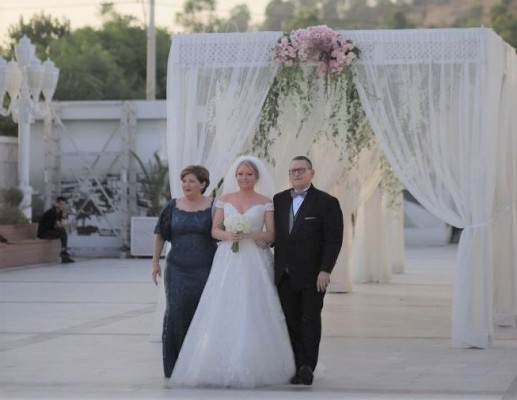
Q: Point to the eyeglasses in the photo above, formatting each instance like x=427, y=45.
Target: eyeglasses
x=297, y=171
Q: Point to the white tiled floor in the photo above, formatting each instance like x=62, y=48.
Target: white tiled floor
x=81, y=331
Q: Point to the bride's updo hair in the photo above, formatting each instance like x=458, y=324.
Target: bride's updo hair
x=250, y=164
x=265, y=185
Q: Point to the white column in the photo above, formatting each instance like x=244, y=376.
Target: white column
x=24, y=145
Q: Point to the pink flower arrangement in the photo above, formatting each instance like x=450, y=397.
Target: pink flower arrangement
x=317, y=45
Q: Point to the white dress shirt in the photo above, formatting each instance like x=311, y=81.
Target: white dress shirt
x=297, y=201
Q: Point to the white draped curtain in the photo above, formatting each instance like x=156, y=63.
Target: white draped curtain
x=505, y=223
x=352, y=183
x=433, y=101
x=393, y=211
x=215, y=89
x=433, y=98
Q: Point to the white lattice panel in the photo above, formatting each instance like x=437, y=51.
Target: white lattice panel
x=399, y=46
x=223, y=49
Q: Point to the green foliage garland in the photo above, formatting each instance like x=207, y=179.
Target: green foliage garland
x=306, y=63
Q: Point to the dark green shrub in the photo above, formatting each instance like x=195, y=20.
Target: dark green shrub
x=13, y=197
x=10, y=214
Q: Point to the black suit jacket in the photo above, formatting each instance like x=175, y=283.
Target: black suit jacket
x=315, y=240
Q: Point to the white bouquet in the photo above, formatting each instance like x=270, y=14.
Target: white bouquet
x=237, y=223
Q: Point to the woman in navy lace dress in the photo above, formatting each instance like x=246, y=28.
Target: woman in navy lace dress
x=186, y=222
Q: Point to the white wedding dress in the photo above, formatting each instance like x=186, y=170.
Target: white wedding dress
x=238, y=336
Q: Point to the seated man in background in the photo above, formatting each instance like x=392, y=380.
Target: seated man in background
x=50, y=226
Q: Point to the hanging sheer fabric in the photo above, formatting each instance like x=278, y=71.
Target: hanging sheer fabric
x=393, y=211
x=370, y=264
x=433, y=100
x=216, y=85
x=505, y=225
x=294, y=137
x=310, y=134
x=361, y=183
x=363, y=200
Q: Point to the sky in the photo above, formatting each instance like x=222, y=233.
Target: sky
x=84, y=12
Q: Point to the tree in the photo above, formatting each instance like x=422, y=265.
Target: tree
x=104, y=64
x=126, y=42
x=504, y=22
x=304, y=18
x=337, y=14
x=92, y=74
x=307, y=4
x=333, y=12
x=279, y=13
x=199, y=16
x=398, y=20
x=473, y=18
x=41, y=29
x=163, y=46
x=239, y=20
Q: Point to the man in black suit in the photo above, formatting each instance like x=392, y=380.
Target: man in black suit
x=308, y=237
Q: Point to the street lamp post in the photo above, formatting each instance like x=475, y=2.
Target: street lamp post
x=24, y=79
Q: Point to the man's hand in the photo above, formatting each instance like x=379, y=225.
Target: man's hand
x=323, y=281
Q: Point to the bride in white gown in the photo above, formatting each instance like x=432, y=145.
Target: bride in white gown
x=238, y=336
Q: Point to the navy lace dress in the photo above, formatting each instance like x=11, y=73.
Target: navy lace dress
x=186, y=272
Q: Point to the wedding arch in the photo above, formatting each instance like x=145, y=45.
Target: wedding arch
x=439, y=102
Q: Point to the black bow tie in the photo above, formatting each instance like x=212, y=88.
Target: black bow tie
x=296, y=194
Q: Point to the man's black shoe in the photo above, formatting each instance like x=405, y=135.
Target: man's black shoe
x=295, y=380
x=167, y=368
x=66, y=260
x=305, y=374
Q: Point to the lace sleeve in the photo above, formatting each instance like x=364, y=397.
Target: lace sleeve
x=219, y=203
x=269, y=207
x=164, y=224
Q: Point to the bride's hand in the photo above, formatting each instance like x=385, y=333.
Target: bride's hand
x=236, y=236
x=261, y=243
